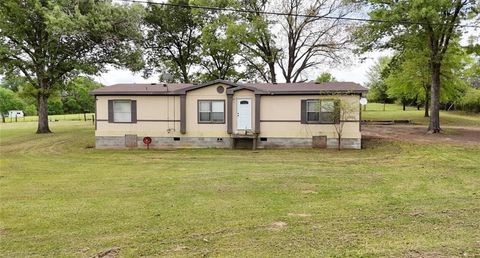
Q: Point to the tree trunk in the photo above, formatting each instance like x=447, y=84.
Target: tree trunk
x=185, y=75
x=403, y=102
x=273, y=76
x=3, y=117
x=434, y=126
x=427, y=105
x=42, y=101
x=339, y=142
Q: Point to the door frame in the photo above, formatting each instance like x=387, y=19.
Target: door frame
x=250, y=102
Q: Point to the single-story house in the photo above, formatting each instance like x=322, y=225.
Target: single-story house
x=223, y=114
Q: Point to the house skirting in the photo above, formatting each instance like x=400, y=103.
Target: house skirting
x=280, y=142
x=134, y=141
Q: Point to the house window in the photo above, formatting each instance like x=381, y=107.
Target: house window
x=122, y=111
x=211, y=111
x=320, y=111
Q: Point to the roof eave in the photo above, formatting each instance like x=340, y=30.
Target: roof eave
x=320, y=92
x=133, y=93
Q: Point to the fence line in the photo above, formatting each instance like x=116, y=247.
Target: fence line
x=52, y=118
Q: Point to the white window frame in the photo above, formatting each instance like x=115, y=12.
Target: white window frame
x=210, y=111
x=116, y=118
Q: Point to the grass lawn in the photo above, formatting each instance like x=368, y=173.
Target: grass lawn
x=59, y=197
x=394, y=111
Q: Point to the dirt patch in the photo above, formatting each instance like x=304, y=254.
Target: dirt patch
x=302, y=215
x=309, y=192
x=416, y=213
x=110, y=253
x=419, y=254
x=179, y=248
x=418, y=134
x=277, y=226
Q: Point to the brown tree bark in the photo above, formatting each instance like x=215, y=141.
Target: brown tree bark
x=273, y=76
x=434, y=126
x=427, y=106
x=42, y=103
x=427, y=89
x=339, y=146
x=185, y=76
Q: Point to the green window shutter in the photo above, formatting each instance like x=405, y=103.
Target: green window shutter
x=337, y=111
x=303, y=110
x=110, y=111
x=133, y=109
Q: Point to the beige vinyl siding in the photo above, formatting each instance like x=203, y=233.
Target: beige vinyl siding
x=148, y=108
x=194, y=129
x=275, y=108
x=288, y=108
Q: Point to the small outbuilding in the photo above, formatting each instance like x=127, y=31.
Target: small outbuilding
x=15, y=113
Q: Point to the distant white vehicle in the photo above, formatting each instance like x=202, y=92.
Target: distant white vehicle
x=15, y=113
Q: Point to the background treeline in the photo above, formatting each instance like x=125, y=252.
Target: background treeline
x=405, y=78
x=17, y=94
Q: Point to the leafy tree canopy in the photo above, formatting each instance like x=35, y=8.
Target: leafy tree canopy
x=435, y=22
x=325, y=77
x=9, y=101
x=50, y=40
x=172, y=40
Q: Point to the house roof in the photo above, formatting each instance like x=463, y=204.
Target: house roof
x=258, y=88
x=141, y=89
x=308, y=87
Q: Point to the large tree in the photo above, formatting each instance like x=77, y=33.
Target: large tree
x=220, y=41
x=409, y=79
x=50, y=40
x=435, y=21
x=410, y=75
x=260, y=52
x=311, y=36
x=378, y=87
x=172, y=40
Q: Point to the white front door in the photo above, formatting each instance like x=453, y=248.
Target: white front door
x=244, y=114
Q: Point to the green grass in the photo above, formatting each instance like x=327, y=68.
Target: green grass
x=59, y=197
x=53, y=118
x=394, y=112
